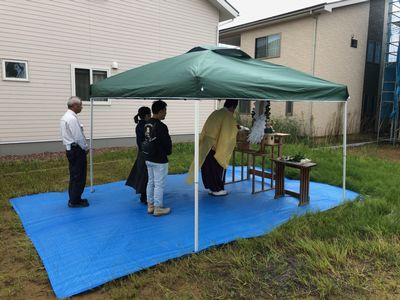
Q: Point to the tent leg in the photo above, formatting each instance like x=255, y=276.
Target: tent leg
x=91, y=146
x=344, y=148
x=196, y=176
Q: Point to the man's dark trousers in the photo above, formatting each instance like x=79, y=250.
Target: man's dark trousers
x=212, y=173
x=77, y=173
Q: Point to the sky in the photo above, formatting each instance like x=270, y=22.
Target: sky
x=251, y=10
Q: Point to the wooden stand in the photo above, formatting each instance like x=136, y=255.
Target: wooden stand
x=272, y=141
x=304, y=168
x=243, y=147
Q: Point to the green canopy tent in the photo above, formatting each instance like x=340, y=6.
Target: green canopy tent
x=217, y=73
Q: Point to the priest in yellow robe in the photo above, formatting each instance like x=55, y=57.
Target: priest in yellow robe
x=216, y=144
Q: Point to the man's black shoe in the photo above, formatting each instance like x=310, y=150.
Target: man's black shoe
x=81, y=203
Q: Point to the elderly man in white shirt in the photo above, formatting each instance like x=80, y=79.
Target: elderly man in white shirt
x=76, y=149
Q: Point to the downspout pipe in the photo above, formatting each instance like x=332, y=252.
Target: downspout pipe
x=314, y=50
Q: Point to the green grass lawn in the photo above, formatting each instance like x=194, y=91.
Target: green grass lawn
x=350, y=252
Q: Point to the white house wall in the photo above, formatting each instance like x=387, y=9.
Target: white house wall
x=296, y=49
x=338, y=62
x=335, y=60
x=53, y=35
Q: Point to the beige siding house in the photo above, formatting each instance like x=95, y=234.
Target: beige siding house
x=63, y=46
x=328, y=41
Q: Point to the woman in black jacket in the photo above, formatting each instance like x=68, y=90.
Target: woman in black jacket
x=138, y=176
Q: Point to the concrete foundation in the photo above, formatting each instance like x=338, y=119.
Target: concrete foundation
x=57, y=146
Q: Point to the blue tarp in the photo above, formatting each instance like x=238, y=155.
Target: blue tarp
x=82, y=248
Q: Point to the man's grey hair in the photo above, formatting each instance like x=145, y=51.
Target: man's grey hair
x=73, y=100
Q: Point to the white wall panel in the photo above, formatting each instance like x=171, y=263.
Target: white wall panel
x=53, y=35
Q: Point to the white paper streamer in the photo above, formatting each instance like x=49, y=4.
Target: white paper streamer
x=257, y=131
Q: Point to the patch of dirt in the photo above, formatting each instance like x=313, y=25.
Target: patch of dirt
x=52, y=155
x=36, y=156
x=389, y=152
x=386, y=152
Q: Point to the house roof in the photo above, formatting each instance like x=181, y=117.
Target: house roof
x=226, y=10
x=319, y=8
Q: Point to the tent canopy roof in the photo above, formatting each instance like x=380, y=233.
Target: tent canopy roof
x=218, y=73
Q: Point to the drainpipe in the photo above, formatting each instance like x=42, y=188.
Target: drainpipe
x=314, y=42
x=216, y=44
x=313, y=66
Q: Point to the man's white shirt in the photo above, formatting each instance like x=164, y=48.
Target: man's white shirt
x=72, y=131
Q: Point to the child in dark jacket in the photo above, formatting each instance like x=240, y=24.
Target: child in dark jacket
x=157, y=161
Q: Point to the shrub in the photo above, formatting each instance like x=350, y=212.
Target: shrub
x=294, y=127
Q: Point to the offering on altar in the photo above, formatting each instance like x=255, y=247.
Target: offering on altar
x=268, y=126
x=241, y=139
x=269, y=139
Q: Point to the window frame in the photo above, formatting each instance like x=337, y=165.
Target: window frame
x=289, y=112
x=240, y=105
x=15, y=61
x=91, y=69
x=374, y=54
x=377, y=53
x=266, y=37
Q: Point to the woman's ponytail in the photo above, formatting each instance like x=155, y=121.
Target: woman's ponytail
x=142, y=112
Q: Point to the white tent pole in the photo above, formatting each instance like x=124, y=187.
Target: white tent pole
x=196, y=176
x=344, y=147
x=91, y=146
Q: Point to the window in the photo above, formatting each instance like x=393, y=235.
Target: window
x=370, y=51
x=374, y=52
x=16, y=70
x=268, y=46
x=377, y=56
x=83, y=77
x=353, y=43
x=244, y=106
x=289, y=108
